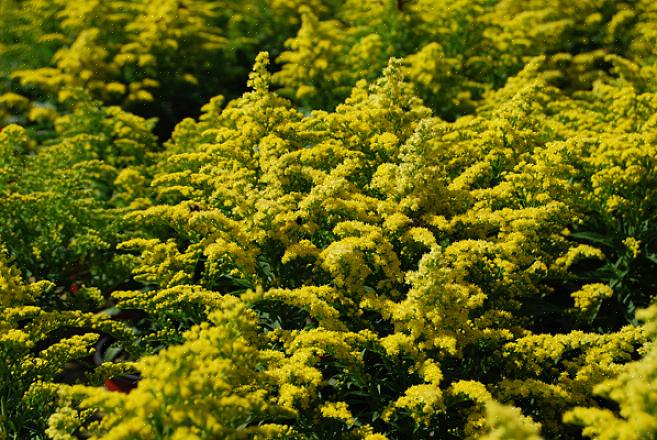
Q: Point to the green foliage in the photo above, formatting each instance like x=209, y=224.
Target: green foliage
x=61, y=210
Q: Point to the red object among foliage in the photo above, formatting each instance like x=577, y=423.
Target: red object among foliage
x=75, y=286
x=110, y=385
x=119, y=384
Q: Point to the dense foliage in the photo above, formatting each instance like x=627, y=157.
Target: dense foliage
x=418, y=219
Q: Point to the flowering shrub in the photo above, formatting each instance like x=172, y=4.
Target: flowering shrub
x=633, y=389
x=63, y=201
x=425, y=220
x=41, y=344
x=159, y=59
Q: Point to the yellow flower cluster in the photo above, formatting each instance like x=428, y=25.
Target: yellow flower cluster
x=131, y=53
x=217, y=371
x=633, y=389
x=379, y=232
x=453, y=243
x=508, y=423
x=37, y=346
